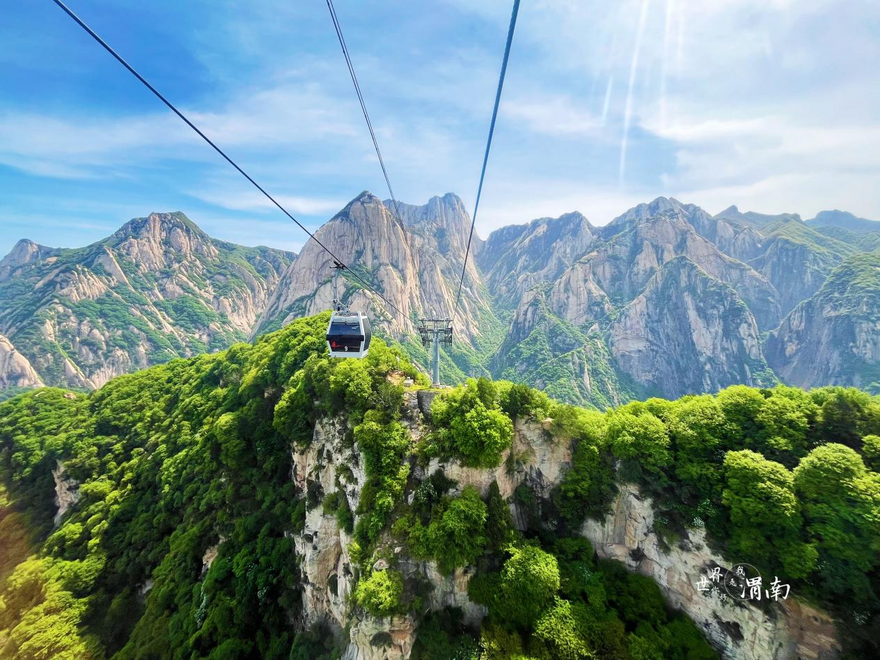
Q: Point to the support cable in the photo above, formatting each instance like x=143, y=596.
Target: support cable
x=488, y=147
x=171, y=106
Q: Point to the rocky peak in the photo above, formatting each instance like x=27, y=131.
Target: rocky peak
x=159, y=227
x=444, y=220
x=643, y=212
x=415, y=264
x=538, y=252
x=756, y=220
x=23, y=253
x=152, y=241
x=844, y=220
x=364, y=233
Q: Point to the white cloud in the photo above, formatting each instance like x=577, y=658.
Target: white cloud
x=86, y=146
x=551, y=115
x=256, y=201
x=769, y=104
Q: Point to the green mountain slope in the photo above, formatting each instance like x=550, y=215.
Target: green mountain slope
x=269, y=502
x=844, y=220
x=158, y=288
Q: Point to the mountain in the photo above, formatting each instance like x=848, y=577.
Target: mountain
x=666, y=299
x=156, y=289
x=598, y=332
x=413, y=258
x=687, y=332
x=556, y=356
x=271, y=502
x=756, y=220
x=844, y=220
x=834, y=337
x=15, y=370
x=515, y=259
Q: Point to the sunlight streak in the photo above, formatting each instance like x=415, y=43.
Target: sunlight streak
x=607, y=101
x=679, y=46
x=627, y=116
x=667, y=28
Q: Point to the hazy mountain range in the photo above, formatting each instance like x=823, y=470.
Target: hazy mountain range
x=666, y=299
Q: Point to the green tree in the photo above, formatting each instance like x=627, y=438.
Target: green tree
x=470, y=425
x=871, y=451
x=529, y=582
x=841, y=502
x=499, y=523
x=380, y=593
x=765, y=513
x=559, y=631
x=457, y=535
x=642, y=441
x=699, y=430
x=785, y=422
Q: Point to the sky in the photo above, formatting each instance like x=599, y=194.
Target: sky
x=772, y=105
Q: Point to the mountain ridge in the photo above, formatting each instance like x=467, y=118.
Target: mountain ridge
x=157, y=288
x=545, y=284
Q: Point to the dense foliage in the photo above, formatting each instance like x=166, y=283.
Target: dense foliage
x=175, y=464
x=779, y=478
x=182, y=541
x=559, y=603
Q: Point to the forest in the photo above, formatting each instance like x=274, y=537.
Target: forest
x=197, y=454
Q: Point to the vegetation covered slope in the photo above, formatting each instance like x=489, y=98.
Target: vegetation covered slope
x=192, y=460
x=834, y=337
x=157, y=289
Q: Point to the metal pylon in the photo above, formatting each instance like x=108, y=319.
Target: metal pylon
x=433, y=333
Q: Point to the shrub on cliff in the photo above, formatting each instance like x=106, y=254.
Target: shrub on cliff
x=380, y=593
x=470, y=426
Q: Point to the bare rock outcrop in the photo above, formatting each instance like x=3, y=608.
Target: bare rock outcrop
x=15, y=370
x=688, y=333
x=66, y=491
x=834, y=337
x=788, y=630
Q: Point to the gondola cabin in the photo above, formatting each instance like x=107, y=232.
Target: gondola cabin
x=348, y=335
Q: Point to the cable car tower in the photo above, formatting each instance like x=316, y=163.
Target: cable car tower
x=434, y=332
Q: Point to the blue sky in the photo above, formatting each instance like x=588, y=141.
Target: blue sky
x=773, y=105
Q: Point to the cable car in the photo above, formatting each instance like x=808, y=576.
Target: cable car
x=348, y=335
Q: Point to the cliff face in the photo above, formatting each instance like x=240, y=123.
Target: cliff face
x=834, y=337
x=737, y=630
x=688, y=333
x=795, y=631
x=783, y=257
x=156, y=289
x=515, y=259
x=15, y=370
x=413, y=260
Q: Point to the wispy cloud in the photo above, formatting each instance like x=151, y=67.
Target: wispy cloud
x=552, y=115
x=256, y=201
x=770, y=104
